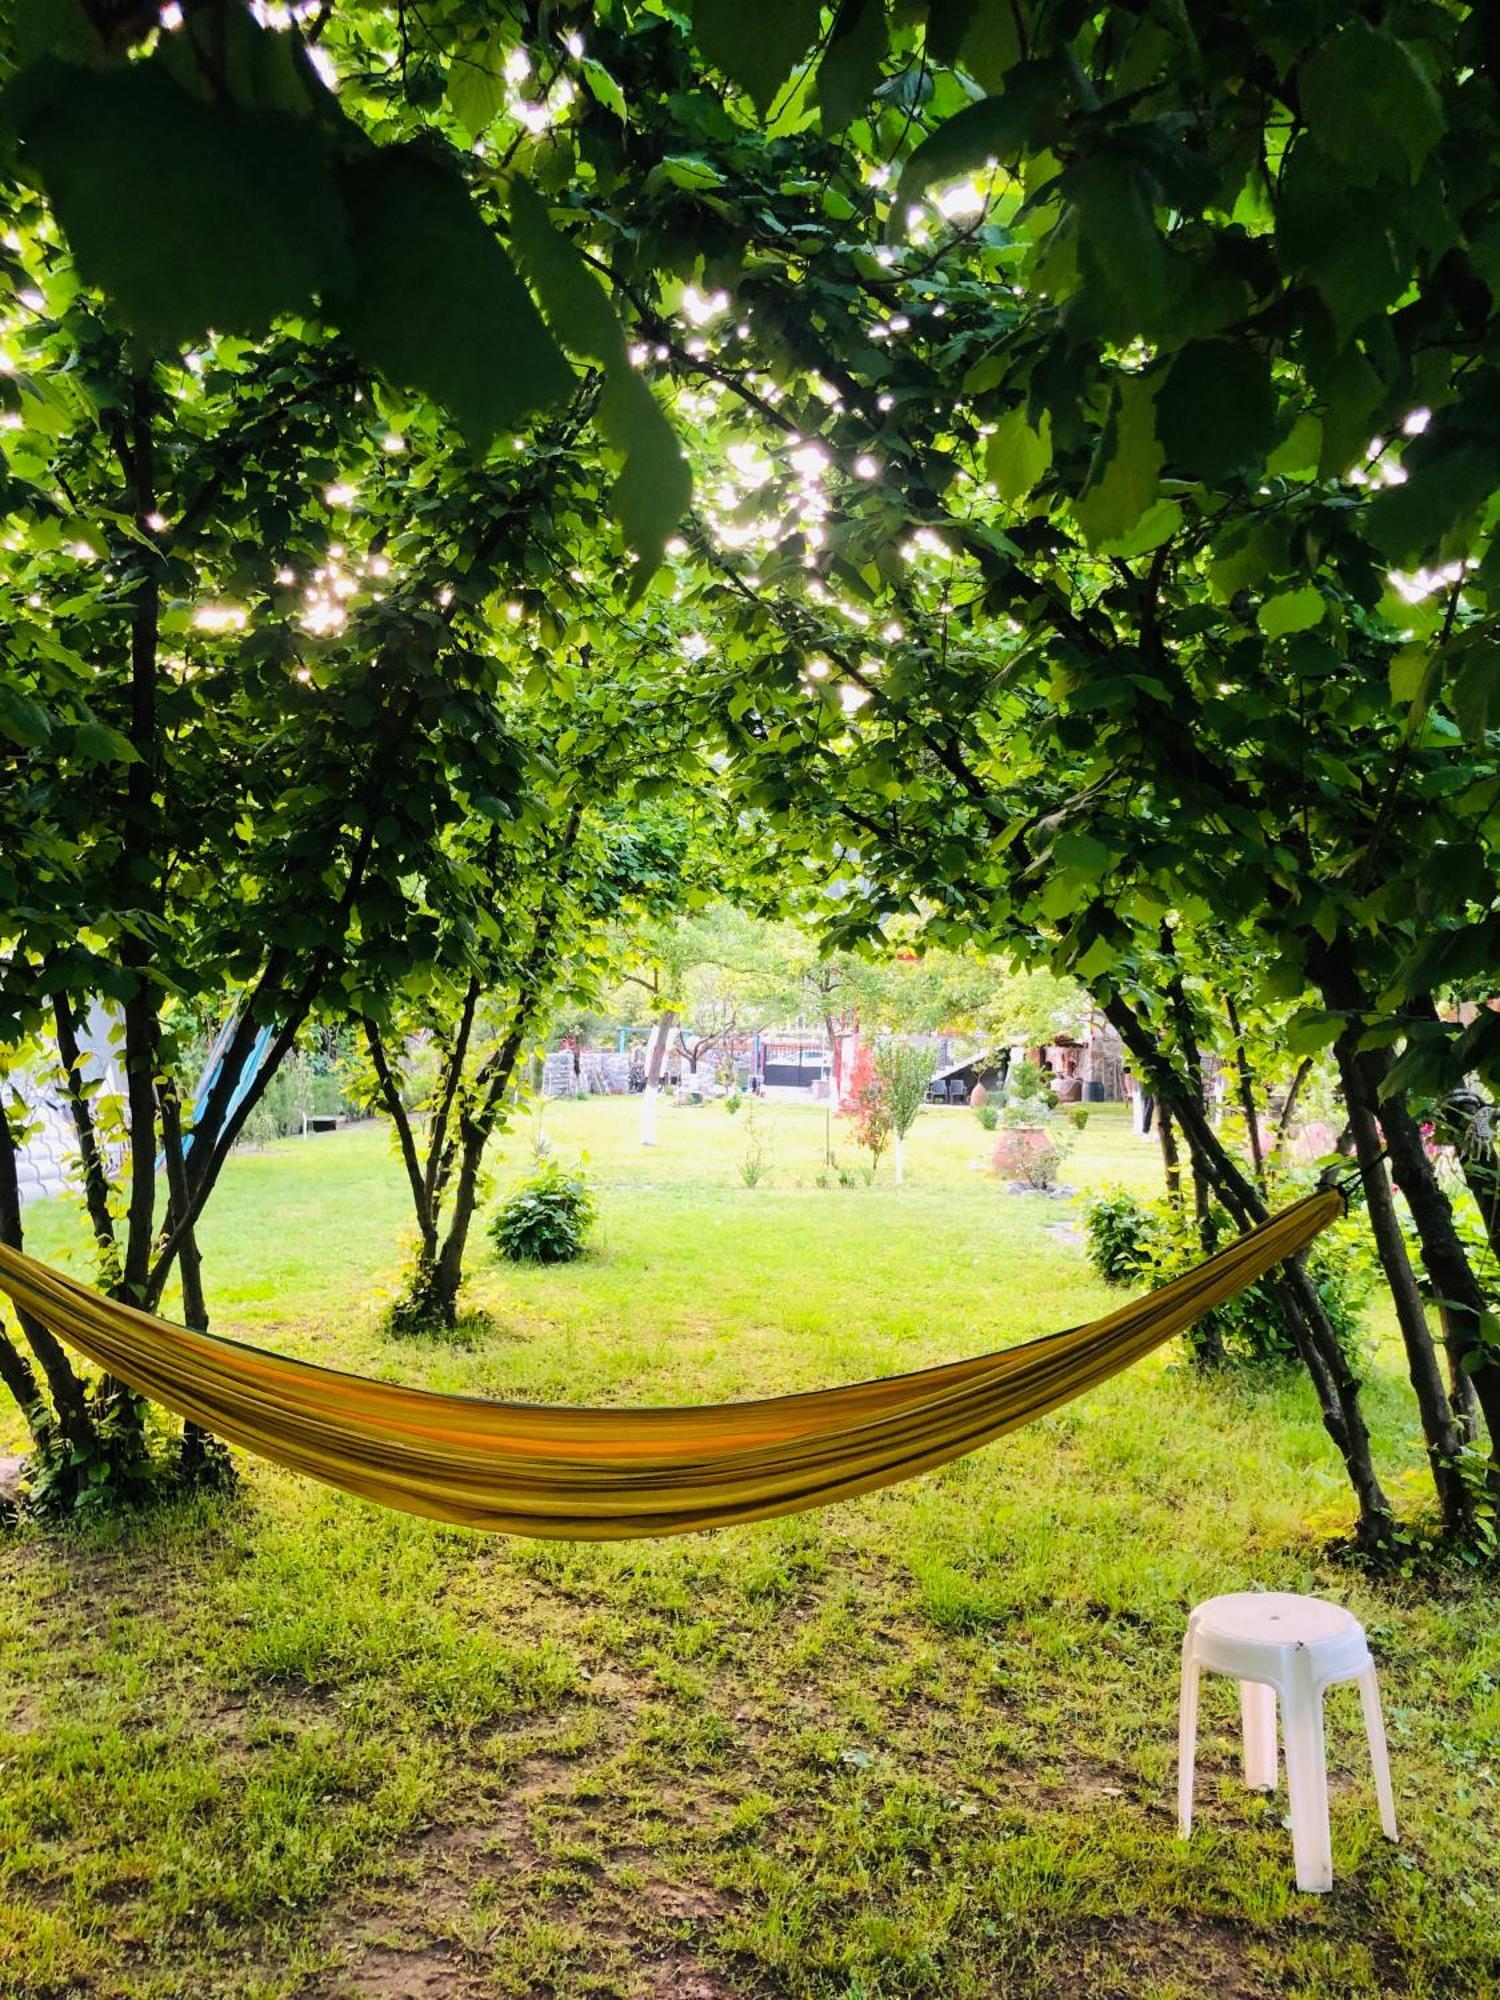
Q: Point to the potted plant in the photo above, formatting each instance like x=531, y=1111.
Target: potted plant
x=1027, y=1152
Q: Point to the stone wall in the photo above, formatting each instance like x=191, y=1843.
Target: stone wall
x=600, y=1073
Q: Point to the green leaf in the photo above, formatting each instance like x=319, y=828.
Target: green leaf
x=436, y=304
x=991, y=45
x=1368, y=101
x=1292, y=611
x=1301, y=450
x=1157, y=525
x=54, y=27
x=995, y=128
x=1082, y=855
x=1408, y=672
x=602, y=87
x=23, y=720
x=1339, y=237
x=476, y=86
x=948, y=21
x=100, y=744
x=1120, y=251
x=1215, y=414
x=653, y=492
x=572, y=297
x=1474, y=692
x=1123, y=478
x=1311, y=1030
x=1438, y=500
x=849, y=72
x=1097, y=960
x=1352, y=393
x=1017, y=455
x=756, y=46
x=190, y=215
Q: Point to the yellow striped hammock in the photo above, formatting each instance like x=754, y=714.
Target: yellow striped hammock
x=610, y=1474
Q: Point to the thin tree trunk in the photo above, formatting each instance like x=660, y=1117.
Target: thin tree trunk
x=1443, y=1252
x=656, y=1055
x=139, y=872
x=416, y=1175
x=1245, y=1086
x=475, y=1132
x=1294, y=1091
x=1439, y=1424
x=19, y=1377
x=91, y=1160
x=1170, y=1162
x=1317, y=1344
x=201, y=1458
x=1208, y=1340
x=439, y=1150
x=69, y=1398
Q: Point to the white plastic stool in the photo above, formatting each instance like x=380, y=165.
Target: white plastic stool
x=1276, y=1644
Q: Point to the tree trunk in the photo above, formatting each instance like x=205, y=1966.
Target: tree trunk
x=1443, y=1252
x=898, y=1154
x=440, y=1295
x=1245, y=1087
x=202, y=1459
x=69, y=1400
x=1170, y=1163
x=1440, y=1428
x=1317, y=1344
x=90, y=1159
x=1294, y=1091
x=656, y=1055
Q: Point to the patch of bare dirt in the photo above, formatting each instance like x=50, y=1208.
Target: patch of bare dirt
x=1116, y=1960
x=683, y=1979
x=388, y=1972
x=20, y=1715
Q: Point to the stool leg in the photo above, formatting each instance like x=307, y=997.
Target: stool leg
x=1187, y=1736
x=1369, y=1701
x=1307, y=1780
x=1258, y=1716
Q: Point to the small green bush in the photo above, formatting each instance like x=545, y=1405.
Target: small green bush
x=1121, y=1231
x=546, y=1218
x=988, y=1116
x=1148, y=1243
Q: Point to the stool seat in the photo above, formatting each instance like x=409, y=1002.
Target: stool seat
x=1287, y=1650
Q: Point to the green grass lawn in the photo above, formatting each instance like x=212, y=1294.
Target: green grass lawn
x=919, y=1744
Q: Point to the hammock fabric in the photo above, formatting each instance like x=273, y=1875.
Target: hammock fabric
x=607, y=1474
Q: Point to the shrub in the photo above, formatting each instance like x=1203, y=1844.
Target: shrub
x=1121, y=1232
x=546, y=1218
x=987, y=1115
x=1148, y=1243
x=867, y=1106
x=1078, y=1116
x=1029, y=1096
